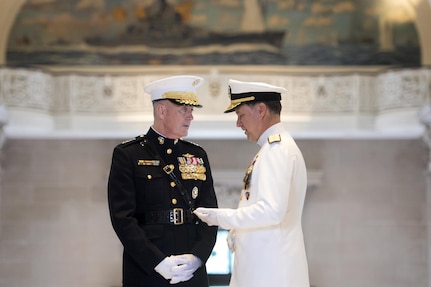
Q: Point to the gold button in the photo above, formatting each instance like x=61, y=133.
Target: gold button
x=149, y=176
x=174, y=201
x=173, y=184
x=169, y=151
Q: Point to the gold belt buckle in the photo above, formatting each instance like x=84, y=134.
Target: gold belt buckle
x=178, y=216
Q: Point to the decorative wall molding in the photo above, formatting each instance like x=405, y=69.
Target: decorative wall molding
x=94, y=102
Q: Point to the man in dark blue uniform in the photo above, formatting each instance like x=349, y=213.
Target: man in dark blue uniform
x=155, y=182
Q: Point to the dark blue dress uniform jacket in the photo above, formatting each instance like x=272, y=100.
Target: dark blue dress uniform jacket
x=138, y=187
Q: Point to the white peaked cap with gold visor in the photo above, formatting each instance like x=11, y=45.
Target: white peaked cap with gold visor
x=179, y=89
x=241, y=92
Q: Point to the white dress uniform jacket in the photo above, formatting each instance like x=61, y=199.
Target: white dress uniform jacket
x=269, y=245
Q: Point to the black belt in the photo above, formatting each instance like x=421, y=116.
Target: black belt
x=176, y=216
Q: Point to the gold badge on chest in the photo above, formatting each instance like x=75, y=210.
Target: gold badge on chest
x=191, y=167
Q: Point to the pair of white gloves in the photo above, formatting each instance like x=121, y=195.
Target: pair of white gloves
x=178, y=268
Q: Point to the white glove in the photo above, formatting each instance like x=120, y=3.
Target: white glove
x=164, y=268
x=231, y=240
x=187, y=264
x=180, y=278
x=208, y=215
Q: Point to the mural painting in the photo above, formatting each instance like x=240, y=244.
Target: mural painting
x=214, y=32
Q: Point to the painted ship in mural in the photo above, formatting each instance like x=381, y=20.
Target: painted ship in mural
x=165, y=27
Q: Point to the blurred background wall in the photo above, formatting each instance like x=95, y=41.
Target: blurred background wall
x=363, y=129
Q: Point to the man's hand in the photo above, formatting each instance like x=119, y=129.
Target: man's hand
x=231, y=240
x=187, y=264
x=164, y=268
x=180, y=278
x=207, y=215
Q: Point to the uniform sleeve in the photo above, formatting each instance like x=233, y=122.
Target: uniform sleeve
x=122, y=207
x=207, y=234
x=273, y=174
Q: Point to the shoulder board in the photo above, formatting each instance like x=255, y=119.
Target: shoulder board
x=274, y=138
x=132, y=140
x=189, y=142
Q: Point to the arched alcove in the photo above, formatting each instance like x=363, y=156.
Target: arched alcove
x=9, y=10
x=421, y=8
x=53, y=183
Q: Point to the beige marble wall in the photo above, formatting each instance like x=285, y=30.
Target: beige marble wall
x=364, y=223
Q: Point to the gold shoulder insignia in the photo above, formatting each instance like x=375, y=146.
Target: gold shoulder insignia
x=132, y=139
x=127, y=141
x=189, y=142
x=274, y=138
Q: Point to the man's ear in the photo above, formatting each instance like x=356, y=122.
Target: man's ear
x=261, y=109
x=161, y=110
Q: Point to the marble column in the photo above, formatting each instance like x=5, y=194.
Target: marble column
x=4, y=116
x=425, y=118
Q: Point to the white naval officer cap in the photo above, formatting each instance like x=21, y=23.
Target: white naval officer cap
x=241, y=92
x=179, y=89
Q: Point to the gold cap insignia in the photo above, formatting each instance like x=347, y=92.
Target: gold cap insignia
x=179, y=89
x=241, y=92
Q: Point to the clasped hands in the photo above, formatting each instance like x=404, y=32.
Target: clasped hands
x=178, y=268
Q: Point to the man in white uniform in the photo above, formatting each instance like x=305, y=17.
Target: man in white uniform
x=265, y=230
